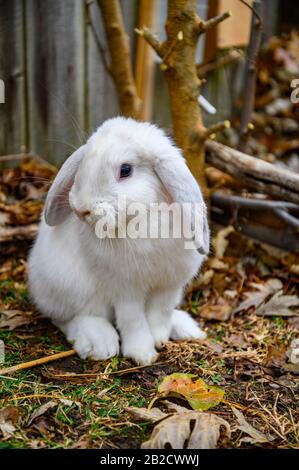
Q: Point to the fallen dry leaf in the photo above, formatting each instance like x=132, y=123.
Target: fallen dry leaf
x=14, y=318
x=8, y=420
x=66, y=402
x=36, y=444
x=216, y=312
x=294, y=269
x=82, y=443
x=144, y=414
x=202, y=280
x=237, y=340
x=243, y=425
x=102, y=393
x=277, y=358
x=220, y=242
x=42, y=424
x=206, y=277
x=199, y=395
x=217, y=264
x=214, y=346
x=174, y=407
x=189, y=430
x=293, y=355
x=42, y=410
x=256, y=298
x=230, y=294
x=4, y=218
x=279, y=305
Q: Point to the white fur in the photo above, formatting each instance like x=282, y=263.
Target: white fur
x=86, y=284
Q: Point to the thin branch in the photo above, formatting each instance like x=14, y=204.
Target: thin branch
x=120, y=58
x=251, y=203
x=151, y=38
x=256, y=14
x=230, y=57
x=264, y=220
x=100, y=47
x=37, y=362
x=250, y=74
x=214, y=129
x=288, y=218
x=204, y=26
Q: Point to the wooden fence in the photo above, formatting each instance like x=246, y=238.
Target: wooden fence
x=56, y=88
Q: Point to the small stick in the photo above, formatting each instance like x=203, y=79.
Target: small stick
x=204, y=68
x=115, y=372
x=151, y=38
x=204, y=26
x=37, y=362
x=212, y=131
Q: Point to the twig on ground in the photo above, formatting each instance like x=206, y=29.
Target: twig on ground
x=37, y=362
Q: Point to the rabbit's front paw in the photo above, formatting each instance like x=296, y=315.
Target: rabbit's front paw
x=93, y=337
x=142, y=352
x=184, y=327
x=160, y=332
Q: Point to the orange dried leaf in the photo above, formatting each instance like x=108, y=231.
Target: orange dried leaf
x=198, y=394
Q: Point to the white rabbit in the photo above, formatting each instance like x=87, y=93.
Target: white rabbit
x=102, y=290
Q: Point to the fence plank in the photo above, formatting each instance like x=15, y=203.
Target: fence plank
x=55, y=76
x=57, y=89
x=102, y=98
x=13, y=138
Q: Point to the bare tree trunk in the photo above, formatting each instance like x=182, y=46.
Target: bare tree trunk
x=120, y=57
x=183, y=28
x=183, y=83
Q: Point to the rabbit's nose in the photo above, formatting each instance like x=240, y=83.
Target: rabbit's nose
x=82, y=213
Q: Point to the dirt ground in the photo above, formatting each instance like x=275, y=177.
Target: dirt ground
x=76, y=403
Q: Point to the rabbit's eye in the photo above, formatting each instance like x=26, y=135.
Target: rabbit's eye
x=125, y=170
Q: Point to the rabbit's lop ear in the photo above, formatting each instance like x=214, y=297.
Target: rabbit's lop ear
x=57, y=206
x=182, y=187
